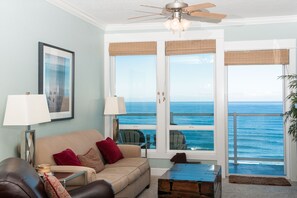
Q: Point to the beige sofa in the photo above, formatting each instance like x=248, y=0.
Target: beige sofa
x=128, y=176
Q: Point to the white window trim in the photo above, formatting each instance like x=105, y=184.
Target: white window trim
x=290, y=147
x=219, y=154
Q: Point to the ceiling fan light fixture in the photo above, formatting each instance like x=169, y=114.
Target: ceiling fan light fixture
x=176, y=25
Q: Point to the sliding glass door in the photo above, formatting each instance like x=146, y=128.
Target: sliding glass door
x=256, y=131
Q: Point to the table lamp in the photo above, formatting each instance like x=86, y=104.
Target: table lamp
x=115, y=106
x=26, y=110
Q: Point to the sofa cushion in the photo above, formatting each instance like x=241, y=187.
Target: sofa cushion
x=66, y=157
x=141, y=163
x=130, y=174
x=54, y=188
x=110, y=151
x=91, y=159
x=117, y=181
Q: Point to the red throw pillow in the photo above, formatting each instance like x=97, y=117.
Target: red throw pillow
x=66, y=157
x=109, y=150
x=54, y=188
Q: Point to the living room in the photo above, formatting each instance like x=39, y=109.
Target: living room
x=26, y=23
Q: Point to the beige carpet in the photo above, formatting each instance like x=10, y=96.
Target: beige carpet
x=274, y=181
x=237, y=190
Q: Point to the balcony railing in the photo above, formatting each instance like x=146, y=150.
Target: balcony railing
x=235, y=115
x=235, y=136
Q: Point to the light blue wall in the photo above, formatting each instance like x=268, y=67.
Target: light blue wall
x=261, y=32
x=22, y=25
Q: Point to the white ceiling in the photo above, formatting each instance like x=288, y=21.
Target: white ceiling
x=110, y=12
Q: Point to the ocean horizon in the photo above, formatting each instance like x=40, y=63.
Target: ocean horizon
x=257, y=136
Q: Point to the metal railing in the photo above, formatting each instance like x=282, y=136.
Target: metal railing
x=235, y=115
x=235, y=135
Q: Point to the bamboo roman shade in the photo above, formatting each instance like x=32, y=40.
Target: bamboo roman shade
x=132, y=48
x=257, y=57
x=190, y=47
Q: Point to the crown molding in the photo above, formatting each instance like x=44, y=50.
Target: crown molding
x=195, y=24
x=77, y=12
x=159, y=25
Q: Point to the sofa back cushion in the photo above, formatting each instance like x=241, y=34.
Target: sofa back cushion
x=80, y=142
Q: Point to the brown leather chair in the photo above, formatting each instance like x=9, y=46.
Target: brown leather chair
x=19, y=179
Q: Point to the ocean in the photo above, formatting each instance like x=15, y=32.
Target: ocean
x=257, y=136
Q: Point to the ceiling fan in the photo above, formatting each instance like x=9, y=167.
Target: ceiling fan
x=177, y=12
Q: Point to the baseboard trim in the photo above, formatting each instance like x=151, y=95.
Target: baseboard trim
x=158, y=171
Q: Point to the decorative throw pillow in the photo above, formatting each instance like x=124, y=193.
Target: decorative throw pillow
x=109, y=150
x=91, y=159
x=54, y=188
x=66, y=157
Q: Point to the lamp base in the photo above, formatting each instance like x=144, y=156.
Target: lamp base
x=115, y=129
x=28, y=146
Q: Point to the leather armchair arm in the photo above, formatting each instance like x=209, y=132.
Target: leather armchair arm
x=91, y=173
x=130, y=150
x=99, y=188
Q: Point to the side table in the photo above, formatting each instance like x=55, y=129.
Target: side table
x=64, y=177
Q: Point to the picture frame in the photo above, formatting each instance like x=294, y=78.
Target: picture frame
x=56, y=80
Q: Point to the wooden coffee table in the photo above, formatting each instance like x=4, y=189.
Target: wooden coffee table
x=191, y=180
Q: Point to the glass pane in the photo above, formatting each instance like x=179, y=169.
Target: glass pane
x=192, y=89
x=191, y=140
x=258, y=137
x=136, y=82
x=255, y=95
x=138, y=137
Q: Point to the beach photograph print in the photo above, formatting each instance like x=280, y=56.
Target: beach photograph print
x=56, y=80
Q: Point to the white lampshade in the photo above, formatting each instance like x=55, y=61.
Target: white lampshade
x=114, y=106
x=24, y=110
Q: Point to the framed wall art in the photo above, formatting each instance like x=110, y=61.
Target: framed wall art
x=56, y=80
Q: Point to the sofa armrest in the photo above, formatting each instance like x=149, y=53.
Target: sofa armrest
x=130, y=151
x=91, y=173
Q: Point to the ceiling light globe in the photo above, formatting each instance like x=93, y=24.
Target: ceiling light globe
x=185, y=24
x=167, y=24
x=175, y=24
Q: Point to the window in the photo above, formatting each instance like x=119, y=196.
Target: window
x=136, y=81
x=191, y=101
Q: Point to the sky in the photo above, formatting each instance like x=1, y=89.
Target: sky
x=192, y=79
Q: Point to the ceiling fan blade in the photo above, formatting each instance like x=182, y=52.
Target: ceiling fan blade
x=144, y=16
x=196, y=7
x=147, y=12
x=147, y=19
x=208, y=15
x=149, y=6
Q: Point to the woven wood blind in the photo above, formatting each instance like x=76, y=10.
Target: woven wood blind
x=132, y=48
x=190, y=47
x=257, y=57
